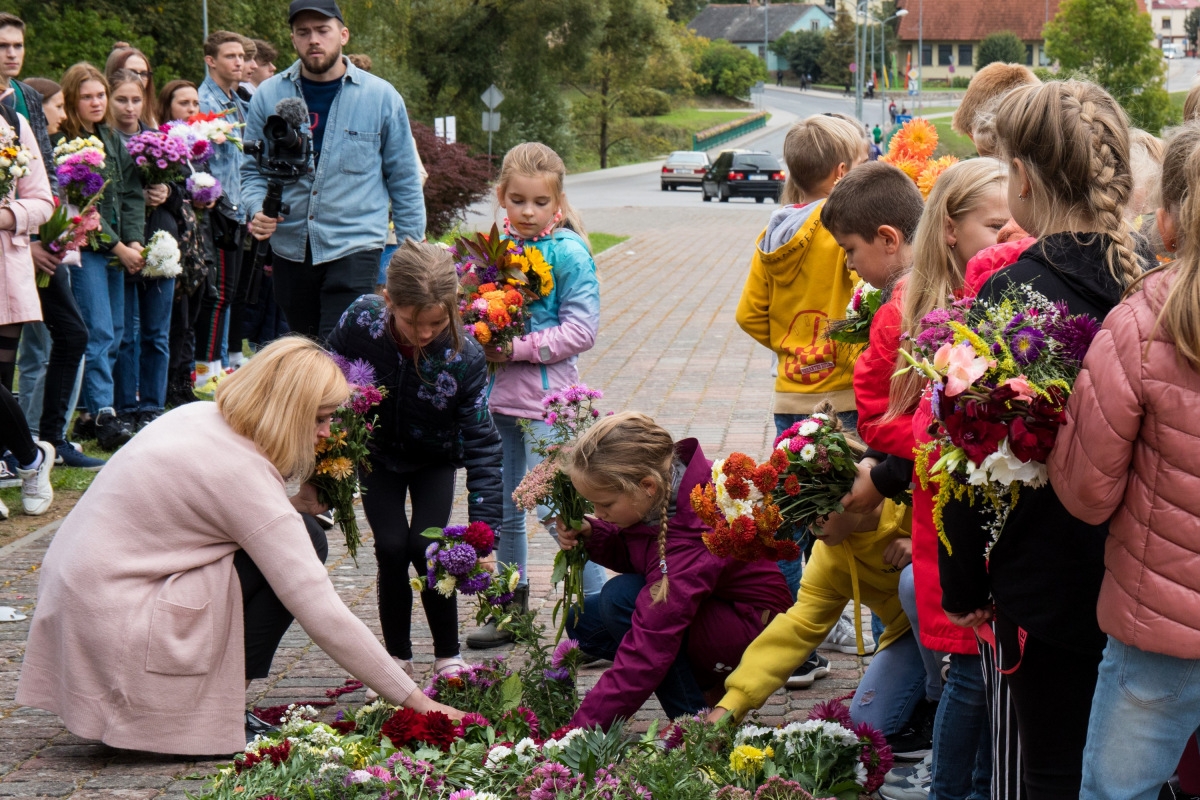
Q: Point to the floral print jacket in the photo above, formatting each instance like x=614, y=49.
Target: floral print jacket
x=435, y=411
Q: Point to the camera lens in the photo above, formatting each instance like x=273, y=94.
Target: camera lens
x=282, y=135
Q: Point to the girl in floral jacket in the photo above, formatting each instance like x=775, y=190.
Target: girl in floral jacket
x=433, y=420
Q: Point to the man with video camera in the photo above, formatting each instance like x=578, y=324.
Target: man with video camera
x=330, y=231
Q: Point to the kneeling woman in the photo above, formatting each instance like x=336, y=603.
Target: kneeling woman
x=154, y=577
x=678, y=641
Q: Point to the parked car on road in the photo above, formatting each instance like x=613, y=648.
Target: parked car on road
x=756, y=174
x=684, y=168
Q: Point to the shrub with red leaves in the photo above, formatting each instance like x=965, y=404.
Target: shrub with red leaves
x=456, y=179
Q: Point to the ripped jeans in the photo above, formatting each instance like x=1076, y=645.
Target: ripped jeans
x=891, y=687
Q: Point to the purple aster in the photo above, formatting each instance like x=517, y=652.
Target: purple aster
x=562, y=650
x=1027, y=344
x=559, y=674
x=1075, y=335
x=459, y=559
x=932, y=338
x=431, y=551
x=342, y=363
x=502, y=599
x=1015, y=323
x=454, y=531
x=359, y=372
x=474, y=584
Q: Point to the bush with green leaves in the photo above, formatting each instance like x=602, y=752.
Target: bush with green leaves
x=730, y=70
x=1002, y=46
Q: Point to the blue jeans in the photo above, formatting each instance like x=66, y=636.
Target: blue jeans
x=607, y=616
x=100, y=292
x=518, y=458
x=1145, y=707
x=932, y=660
x=891, y=687
x=32, y=357
x=145, y=351
x=385, y=258
x=962, y=747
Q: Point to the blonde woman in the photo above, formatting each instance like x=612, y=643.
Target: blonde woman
x=158, y=597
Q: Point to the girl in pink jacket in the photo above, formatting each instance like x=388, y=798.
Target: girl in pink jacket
x=1128, y=455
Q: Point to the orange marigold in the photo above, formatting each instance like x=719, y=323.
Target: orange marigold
x=499, y=317
x=911, y=167
x=483, y=334
x=513, y=297
x=484, y=288
x=933, y=170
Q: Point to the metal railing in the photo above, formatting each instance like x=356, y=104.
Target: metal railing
x=716, y=136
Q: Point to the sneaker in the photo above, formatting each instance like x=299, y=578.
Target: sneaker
x=817, y=666
x=144, y=418
x=899, y=774
x=915, y=741
x=112, y=431
x=843, y=639
x=84, y=428
x=8, y=471
x=65, y=455
x=36, y=492
x=914, y=787
x=257, y=727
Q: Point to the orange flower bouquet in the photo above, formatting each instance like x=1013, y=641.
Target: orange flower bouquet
x=912, y=148
x=739, y=507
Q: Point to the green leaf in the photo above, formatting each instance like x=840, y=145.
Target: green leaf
x=561, y=565
x=510, y=692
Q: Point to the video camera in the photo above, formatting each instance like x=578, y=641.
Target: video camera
x=282, y=156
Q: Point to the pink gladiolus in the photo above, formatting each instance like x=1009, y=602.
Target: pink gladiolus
x=1021, y=386
x=960, y=365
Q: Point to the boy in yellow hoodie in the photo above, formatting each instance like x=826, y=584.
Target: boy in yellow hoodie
x=859, y=557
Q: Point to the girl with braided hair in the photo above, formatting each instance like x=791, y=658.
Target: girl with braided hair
x=676, y=619
x=1066, y=144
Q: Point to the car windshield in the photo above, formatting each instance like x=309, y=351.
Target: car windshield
x=688, y=158
x=756, y=161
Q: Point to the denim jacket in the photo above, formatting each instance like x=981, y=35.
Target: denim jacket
x=225, y=164
x=367, y=160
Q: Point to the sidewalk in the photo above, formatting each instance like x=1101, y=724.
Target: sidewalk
x=668, y=346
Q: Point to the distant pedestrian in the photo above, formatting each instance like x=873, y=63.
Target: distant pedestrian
x=847, y=87
x=892, y=111
x=779, y=78
x=877, y=134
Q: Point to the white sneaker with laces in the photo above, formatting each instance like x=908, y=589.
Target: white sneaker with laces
x=842, y=638
x=921, y=769
x=914, y=787
x=36, y=492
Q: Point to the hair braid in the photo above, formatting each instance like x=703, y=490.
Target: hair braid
x=658, y=592
x=1110, y=189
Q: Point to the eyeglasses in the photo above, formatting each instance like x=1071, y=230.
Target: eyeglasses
x=142, y=73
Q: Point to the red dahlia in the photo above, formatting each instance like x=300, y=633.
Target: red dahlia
x=404, y=727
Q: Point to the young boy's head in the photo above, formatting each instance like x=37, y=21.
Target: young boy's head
x=873, y=214
x=818, y=151
x=979, y=101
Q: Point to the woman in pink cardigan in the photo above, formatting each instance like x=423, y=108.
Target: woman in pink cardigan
x=1128, y=454
x=138, y=635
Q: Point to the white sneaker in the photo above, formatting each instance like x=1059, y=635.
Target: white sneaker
x=922, y=769
x=842, y=638
x=449, y=667
x=3, y=510
x=36, y=492
x=914, y=787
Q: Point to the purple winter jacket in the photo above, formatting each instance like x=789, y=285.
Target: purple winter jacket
x=722, y=604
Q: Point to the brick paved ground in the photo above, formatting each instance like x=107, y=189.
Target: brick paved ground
x=668, y=346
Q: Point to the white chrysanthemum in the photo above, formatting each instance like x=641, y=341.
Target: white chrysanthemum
x=526, y=750
x=445, y=586
x=809, y=427
x=822, y=417
x=203, y=180
x=749, y=732
x=417, y=584
x=497, y=755
x=162, y=256
x=335, y=754
x=860, y=774
x=321, y=770
x=808, y=452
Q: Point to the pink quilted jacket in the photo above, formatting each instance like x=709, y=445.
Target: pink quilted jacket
x=1129, y=452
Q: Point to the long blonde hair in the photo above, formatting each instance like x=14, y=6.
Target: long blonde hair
x=936, y=274
x=422, y=276
x=536, y=160
x=274, y=398
x=615, y=455
x=1073, y=141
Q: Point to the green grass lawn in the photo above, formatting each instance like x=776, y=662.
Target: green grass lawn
x=951, y=143
x=1177, y=99
x=696, y=119
x=603, y=241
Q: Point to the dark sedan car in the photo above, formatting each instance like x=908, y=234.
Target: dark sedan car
x=758, y=175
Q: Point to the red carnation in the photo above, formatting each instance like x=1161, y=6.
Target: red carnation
x=1031, y=441
x=440, y=731
x=404, y=727
x=978, y=438
x=480, y=536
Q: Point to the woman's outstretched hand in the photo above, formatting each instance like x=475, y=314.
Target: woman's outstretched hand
x=568, y=538
x=418, y=702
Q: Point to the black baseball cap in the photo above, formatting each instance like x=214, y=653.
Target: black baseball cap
x=328, y=8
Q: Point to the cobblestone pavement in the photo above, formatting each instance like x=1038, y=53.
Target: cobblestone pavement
x=668, y=347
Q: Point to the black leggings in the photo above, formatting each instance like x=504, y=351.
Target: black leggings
x=398, y=543
x=68, y=340
x=264, y=617
x=1052, y=695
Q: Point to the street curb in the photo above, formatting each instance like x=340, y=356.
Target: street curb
x=29, y=538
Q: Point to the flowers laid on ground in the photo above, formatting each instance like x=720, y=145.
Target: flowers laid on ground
x=569, y=413
x=499, y=279
x=505, y=751
x=162, y=256
x=912, y=148
x=14, y=162
x=455, y=561
x=856, y=327
x=203, y=188
x=159, y=157
x=1001, y=373
x=344, y=452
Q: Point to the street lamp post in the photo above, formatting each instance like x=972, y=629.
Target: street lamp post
x=920, y=50
x=883, y=57
x=859, y=42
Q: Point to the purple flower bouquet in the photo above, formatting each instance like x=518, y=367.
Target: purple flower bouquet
x=203, y=188
x=159, y=157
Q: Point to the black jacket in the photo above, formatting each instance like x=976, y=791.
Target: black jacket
x=1045, y=570
x=435, y=412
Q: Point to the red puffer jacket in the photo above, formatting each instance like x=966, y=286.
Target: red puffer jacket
x=873, y=379
x=1128, y=452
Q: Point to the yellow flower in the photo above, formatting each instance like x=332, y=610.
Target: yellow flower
x=746, y=759
x=933, y=170
x=417, y=584
x=339, y=468
x=540, y=267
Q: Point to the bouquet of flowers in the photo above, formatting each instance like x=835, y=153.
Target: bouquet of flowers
x=344, y=452
x=65, y=231
x=201, y=149
x=214, y=127
x=499, y=278
x=739, y=507
x=159, y=157
x=454, y=562
x=568, y=413
x=79, y=167
x=911, y=149
x=856, y=327
x=821, y=470
x=1001, y=374
x=14, y=162
x=203, y=188
x=162, y=256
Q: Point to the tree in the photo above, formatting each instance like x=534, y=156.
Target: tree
x=1003, y=46
x=802, y=50
x=1191, y=26
x=1110, y=41
x=730, y=70
x=839, y=49
x=685, y=10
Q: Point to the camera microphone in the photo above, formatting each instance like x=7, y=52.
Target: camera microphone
x=293, y=111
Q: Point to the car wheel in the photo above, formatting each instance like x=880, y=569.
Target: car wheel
x=662, y=186
x=674, y=186
x=759, y=199
x=704, y=193
x=725, y=193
